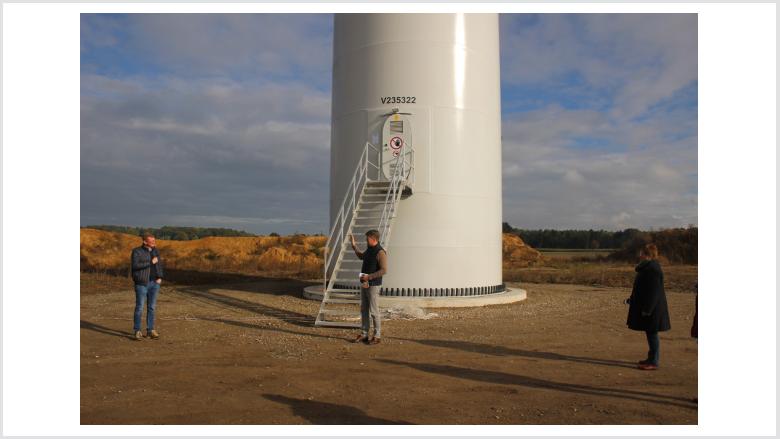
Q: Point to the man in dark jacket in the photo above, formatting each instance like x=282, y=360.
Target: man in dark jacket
x=371, y=272
x=648, y=310
x=147, y=271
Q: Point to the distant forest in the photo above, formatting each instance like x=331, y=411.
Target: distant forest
x=544, y=239
x=174, y=233
x=577, y=239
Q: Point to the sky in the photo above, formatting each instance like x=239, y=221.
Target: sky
x=216, y=120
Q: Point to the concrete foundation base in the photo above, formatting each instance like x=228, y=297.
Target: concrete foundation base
x=314, y=292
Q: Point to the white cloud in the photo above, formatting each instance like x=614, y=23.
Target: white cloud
x=624, y=155
x=551, y=182
x=193, y=148
x=236, y=44
x=639, y=59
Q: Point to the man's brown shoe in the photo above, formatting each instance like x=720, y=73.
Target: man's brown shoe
x=648, y=366
x=138, y=336
x=360, y=338
x=152, y=334
x=375, y=340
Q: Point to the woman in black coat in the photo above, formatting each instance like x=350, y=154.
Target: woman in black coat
x=648, y=310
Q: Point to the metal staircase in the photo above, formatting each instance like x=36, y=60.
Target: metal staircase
x=370, y=202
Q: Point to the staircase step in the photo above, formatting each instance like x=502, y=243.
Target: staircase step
x=344, y=276
x=355, y=301
x=340, y=312
x=368, y=212
x=344, y=296
x=337, y=324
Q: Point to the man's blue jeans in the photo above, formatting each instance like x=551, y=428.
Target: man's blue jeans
x=145, y=293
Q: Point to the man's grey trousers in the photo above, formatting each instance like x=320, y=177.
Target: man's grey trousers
x=369, y=302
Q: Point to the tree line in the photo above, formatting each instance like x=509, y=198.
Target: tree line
x=677, y=246
x=575, y=239
x=174, y=233
x=541, y=238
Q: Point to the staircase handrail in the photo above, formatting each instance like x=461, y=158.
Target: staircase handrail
x=340, y=224
x=400, y=174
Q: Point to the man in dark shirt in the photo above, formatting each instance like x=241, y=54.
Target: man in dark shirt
x=147, y=271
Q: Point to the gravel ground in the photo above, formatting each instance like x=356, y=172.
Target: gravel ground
x=248, y=353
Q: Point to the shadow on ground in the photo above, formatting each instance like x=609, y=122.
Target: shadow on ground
x=105, y=330
x=537, y=383
x=264, y=328
x=482, y=348
x=209, y=297
x=325, y=413
x=277, y=286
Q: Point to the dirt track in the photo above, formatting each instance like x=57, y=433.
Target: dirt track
x=248, y=354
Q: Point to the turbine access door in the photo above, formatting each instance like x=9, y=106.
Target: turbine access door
x=396, y=134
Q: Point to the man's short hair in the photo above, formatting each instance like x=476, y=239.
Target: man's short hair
x=373, y=234
x=146, y=235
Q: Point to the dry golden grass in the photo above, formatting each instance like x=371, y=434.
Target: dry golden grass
x=235, y=259
x=682, y=278
x=297, y=255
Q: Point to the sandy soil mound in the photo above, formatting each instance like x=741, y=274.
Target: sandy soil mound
x=297, y=254
x=518, y=254
x=102, y=250
x=109, y=251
